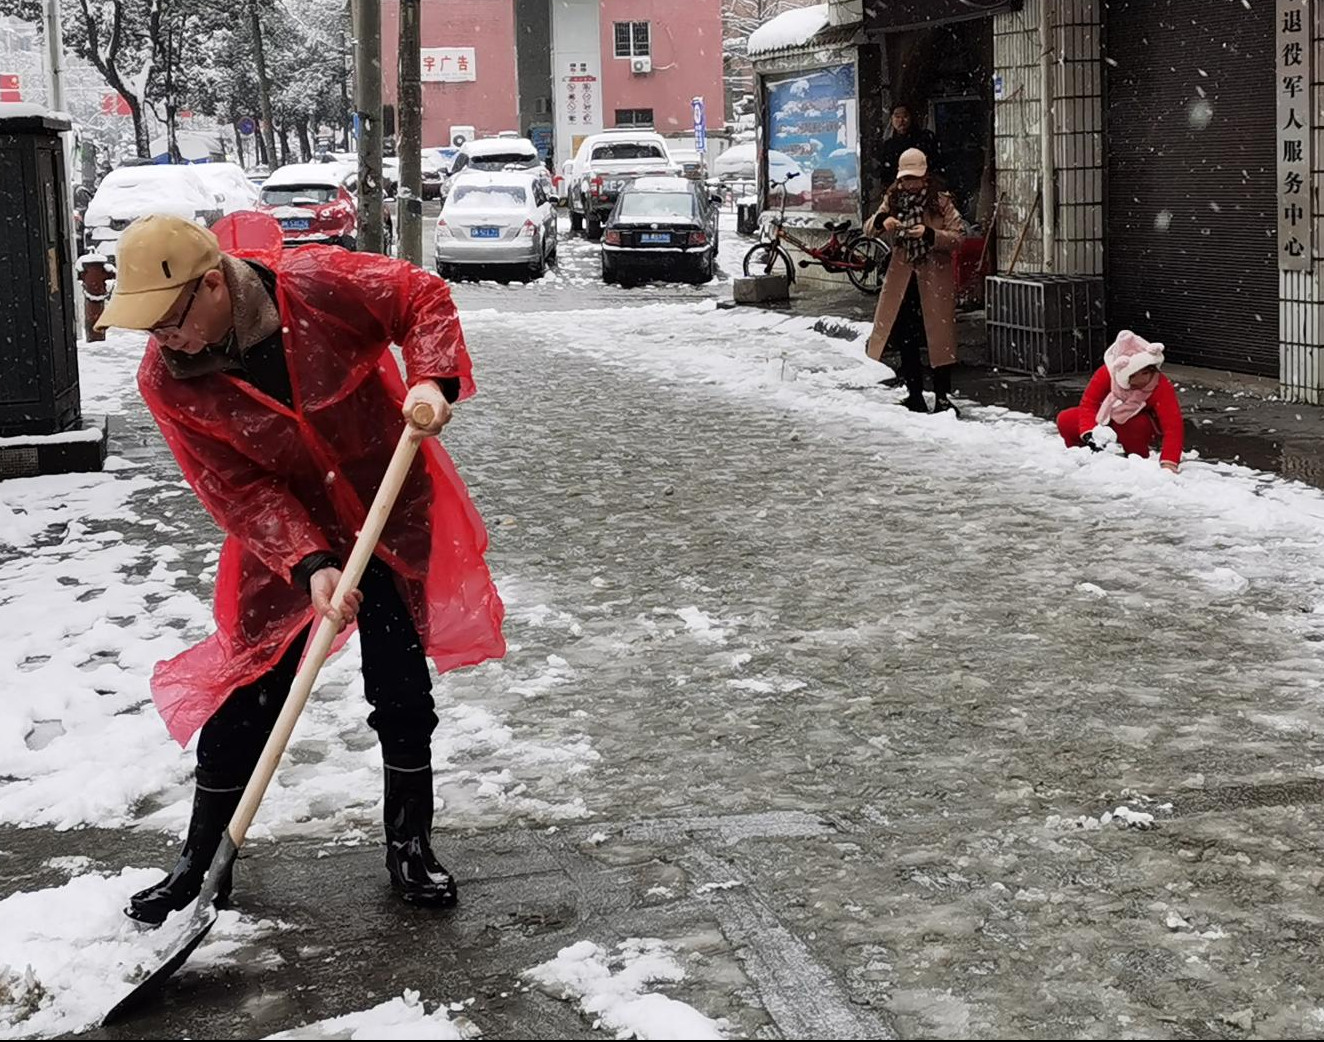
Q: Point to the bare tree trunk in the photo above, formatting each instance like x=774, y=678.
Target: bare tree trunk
x=141, y=139
x=305, y=145
x=171, y=103
x=263, y=84
x=239, y=143
x=284, y=144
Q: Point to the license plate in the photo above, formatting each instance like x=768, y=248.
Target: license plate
x=485, y=233
x=655, y=238
x=296, y=224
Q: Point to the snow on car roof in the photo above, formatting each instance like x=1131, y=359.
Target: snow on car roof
x=497, y=145
x=661, y=184
x=332, y=175
x=470, y=176
x=128, y=175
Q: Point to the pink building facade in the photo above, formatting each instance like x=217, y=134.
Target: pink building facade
x=684, y=44
x=470, y=46
x=559, y=70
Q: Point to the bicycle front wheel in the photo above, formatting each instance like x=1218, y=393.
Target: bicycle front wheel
x=765, y=259
x=866, y=264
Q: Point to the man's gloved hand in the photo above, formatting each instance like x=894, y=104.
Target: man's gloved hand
x=426, y=392
x=1100, y=439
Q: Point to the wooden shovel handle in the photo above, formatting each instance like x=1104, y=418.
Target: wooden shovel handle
x=325, y=634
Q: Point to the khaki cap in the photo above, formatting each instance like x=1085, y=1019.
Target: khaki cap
x=156, y=257
x=914, y=163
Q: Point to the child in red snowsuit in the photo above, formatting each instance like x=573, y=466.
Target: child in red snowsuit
x=1128, y=401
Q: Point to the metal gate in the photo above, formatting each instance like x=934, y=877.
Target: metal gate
x=1191, y=201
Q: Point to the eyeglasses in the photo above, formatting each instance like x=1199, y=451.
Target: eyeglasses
x=177, y=324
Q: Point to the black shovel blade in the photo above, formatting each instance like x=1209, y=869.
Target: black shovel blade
x=193, y=934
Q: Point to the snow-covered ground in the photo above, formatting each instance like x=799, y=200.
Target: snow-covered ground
x=68, y=954
x=1131, y=590
x=104, y=575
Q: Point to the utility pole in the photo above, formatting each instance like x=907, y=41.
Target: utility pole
x=368, y=117
x=54, y=34
x=411, y=135
x=267, y=131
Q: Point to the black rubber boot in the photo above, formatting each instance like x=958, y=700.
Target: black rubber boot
x=213, y=804
x=942, y=390
x=416, y=874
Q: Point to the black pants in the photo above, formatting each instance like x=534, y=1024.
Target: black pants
x=908, y=335
x=395, y=680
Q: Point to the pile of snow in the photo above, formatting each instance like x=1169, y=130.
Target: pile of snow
x=68, y=954
x=789, y=29
x=401, y=1018
x=614, y=990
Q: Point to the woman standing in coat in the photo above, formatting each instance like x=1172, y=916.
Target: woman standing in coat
x=918, y=302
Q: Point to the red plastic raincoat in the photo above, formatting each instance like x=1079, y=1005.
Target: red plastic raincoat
x=284, y=483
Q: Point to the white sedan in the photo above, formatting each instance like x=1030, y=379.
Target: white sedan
x=496, y=221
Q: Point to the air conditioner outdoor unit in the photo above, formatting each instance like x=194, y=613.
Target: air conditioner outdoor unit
x=641, y=66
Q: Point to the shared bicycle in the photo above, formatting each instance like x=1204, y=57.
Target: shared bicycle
x=863, y=258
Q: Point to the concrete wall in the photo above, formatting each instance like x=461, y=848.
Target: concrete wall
x=533, y=37
x=490, y=103
x=1077, y=90
x=576, y=74
x=687, y=61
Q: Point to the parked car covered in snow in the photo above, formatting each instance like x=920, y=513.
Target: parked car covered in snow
x=131, y=192
x=313, y=203
x=605, y=164
x=229, y=181
x=661, y=227
x=496, y=154
x=496, y=221
x=739, y=164
x=433, y=175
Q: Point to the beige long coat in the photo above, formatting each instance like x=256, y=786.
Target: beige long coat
x=937, y=286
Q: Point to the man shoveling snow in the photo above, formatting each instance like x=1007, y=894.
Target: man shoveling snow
x=270, y=375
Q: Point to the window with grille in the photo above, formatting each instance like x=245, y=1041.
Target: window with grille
x=634, y=117
x=633, y=39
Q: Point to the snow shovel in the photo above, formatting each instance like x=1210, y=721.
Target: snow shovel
x=196, y=928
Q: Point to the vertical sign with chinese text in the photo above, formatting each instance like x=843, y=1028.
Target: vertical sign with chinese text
x=1295, y=198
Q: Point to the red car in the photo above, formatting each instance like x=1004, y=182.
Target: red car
x=316, y=203
x=312, y=204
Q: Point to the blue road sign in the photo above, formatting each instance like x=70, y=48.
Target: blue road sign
x=700, y=127
x=246, y=126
